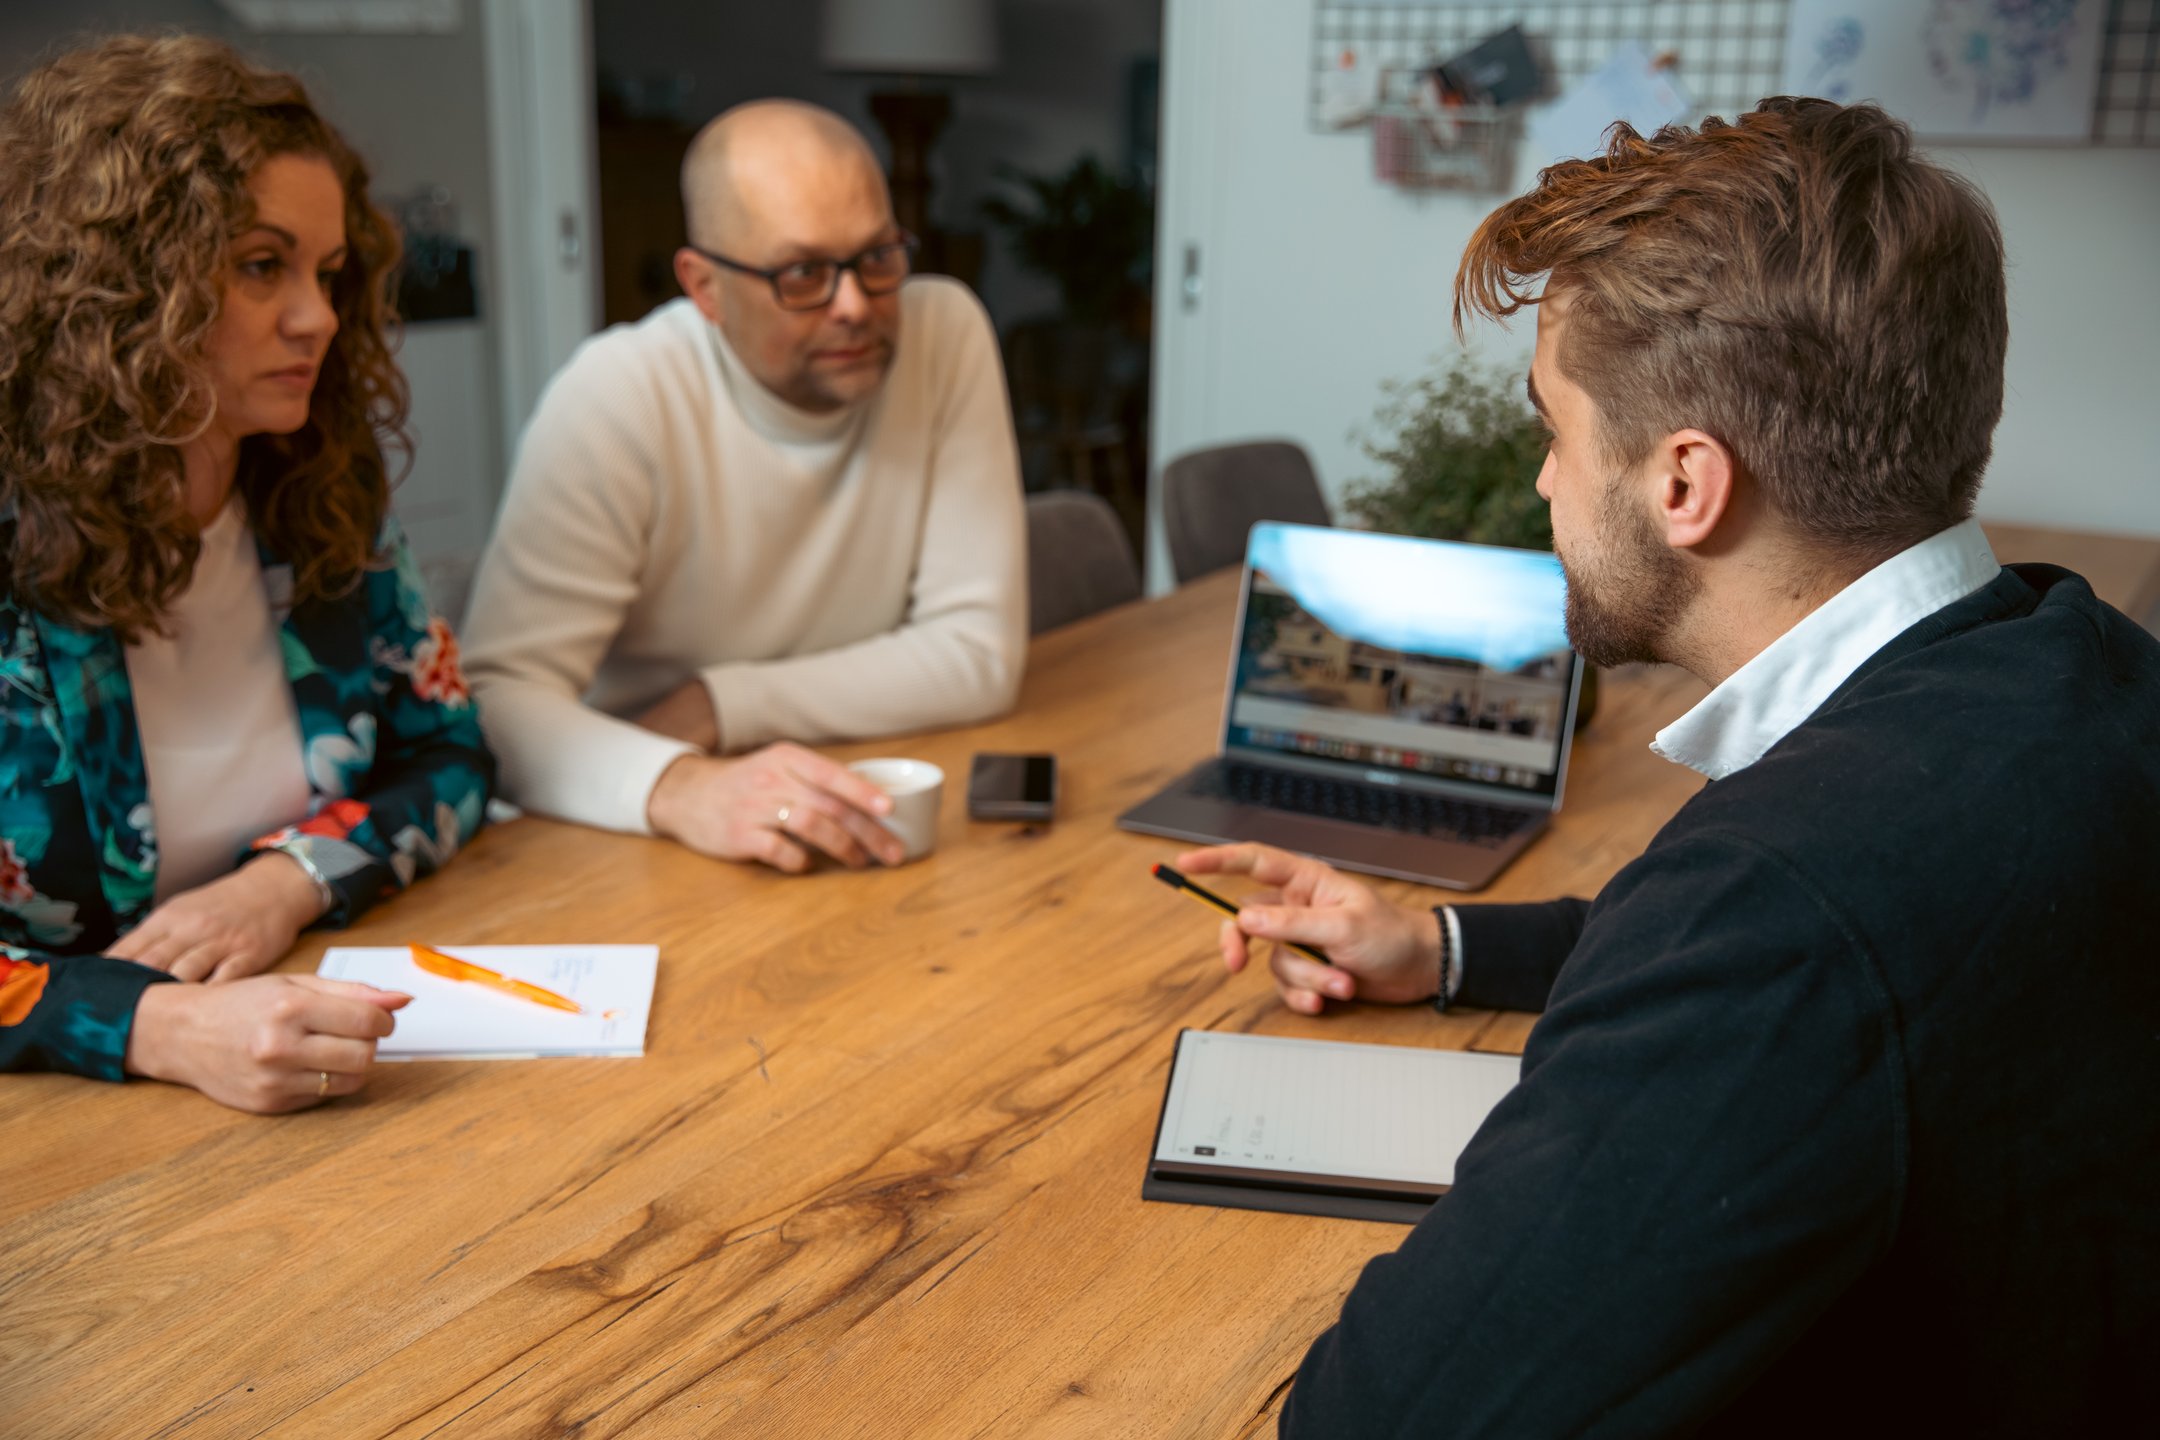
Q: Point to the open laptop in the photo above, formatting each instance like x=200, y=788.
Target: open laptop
x=1401, y=707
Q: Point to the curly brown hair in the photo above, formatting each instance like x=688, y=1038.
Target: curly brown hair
x=1800, y=283
x=124, y=169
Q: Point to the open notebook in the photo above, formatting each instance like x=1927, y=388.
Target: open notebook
x=461, y=1020
x=1318, y=1127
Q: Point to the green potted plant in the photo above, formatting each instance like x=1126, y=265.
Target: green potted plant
x=1079, y=377
x=1091, y=230
x=1459, y=451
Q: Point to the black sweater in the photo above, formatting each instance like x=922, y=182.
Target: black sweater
x=1844, y=1112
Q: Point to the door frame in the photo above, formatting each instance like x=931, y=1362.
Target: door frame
x=1199, y=41
x=542, y=154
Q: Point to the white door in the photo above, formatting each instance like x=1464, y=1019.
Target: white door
x=1197, y=40
x=540, y=126
x=1293, y=284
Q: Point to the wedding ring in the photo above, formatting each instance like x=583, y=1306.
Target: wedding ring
x=783, y=817
x=322, y=1091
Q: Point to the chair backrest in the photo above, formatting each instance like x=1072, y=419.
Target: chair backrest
x=1079, y=560
x=1212, y=498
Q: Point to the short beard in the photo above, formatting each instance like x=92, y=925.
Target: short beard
x=1622, y=605
x=819, y=396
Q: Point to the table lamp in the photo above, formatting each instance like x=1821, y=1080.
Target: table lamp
x=910, y=39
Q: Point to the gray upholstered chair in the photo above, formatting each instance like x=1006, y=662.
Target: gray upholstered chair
x=1212, y=498
x=1079, y=560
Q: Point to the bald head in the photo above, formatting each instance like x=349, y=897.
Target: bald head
x=778, y=189
x=772, y=169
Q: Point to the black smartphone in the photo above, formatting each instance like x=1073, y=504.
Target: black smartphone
x=1012, y=787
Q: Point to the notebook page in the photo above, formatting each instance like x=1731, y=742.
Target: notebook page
x=1327, y=1107
x=459, y=1020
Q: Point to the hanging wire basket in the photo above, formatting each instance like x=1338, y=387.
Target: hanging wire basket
x=1421, y=142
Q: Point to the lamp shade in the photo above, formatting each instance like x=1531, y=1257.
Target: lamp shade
x=910, y=37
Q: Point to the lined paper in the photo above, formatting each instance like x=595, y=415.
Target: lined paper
x=1327, y=1107
x=459, y=1020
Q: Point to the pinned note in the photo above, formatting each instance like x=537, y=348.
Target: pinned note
x=1632, y=85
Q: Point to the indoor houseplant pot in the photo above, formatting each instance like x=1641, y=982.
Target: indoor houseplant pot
x=1459, y=452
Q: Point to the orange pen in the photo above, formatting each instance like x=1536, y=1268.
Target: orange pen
x=452, y=968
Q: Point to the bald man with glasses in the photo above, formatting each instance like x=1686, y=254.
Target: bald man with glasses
x=782, y=510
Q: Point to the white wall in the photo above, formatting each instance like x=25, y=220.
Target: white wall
x=415, y=107
x=1320, y=282
x=2079, y=444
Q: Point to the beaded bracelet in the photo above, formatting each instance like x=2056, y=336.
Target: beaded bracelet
x=1447, y=961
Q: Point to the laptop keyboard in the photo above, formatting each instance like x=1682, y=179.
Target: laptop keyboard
x=1385, y=806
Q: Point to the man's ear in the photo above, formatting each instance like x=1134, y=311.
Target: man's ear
x=1696, y=476
x=700, y=280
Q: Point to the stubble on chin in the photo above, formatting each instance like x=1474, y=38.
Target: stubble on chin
x=852, y=383
x=1622, y=604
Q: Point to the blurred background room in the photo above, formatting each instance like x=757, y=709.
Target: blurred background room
x=1198, y=224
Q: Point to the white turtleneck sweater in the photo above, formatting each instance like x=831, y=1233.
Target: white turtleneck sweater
x=829, y=576
x=221, y=742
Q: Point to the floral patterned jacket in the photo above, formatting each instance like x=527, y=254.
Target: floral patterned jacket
x=394, y=757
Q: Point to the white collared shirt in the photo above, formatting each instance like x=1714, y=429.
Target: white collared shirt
x=1766, y=699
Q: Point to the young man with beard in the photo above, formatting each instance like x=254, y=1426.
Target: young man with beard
x=783, y=510
x=1841, y=1112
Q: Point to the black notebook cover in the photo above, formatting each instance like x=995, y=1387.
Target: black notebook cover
x=1440, y=1126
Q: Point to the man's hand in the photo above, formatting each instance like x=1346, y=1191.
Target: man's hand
x=263, y=1044
x=1381, y=951
x=770, y=806
x=241, y=924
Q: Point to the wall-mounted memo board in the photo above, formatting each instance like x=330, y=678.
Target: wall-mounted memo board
x=1731, y=52
x=2129, y=109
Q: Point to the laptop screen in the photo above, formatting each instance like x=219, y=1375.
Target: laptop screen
x=1421, y=657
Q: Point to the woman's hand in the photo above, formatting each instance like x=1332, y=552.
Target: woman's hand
x=1380, y=951
x=240, y=924
x=269, y=1044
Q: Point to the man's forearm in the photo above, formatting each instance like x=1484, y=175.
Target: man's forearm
x=561, y=757
x=1510, y=954
x=922, y=676
x=1703, y=1149
x=685, y=713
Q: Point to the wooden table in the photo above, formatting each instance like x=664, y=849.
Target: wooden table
x=2124, y=570
x=877, y=1174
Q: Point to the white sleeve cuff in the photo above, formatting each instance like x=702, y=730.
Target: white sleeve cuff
x=1454, y=950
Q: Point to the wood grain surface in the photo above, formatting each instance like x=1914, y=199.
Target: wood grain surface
x=2124, y=570
x=878, y=1172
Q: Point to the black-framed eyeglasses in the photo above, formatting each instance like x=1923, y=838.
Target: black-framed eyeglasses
x=811, y=284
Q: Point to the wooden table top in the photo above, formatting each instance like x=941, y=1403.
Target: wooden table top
x=878, y=1172
x=2124, y=570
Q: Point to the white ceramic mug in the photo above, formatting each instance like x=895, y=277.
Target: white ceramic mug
x=917, y=787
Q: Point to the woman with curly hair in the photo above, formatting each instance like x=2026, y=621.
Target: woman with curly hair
x=225, y=710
